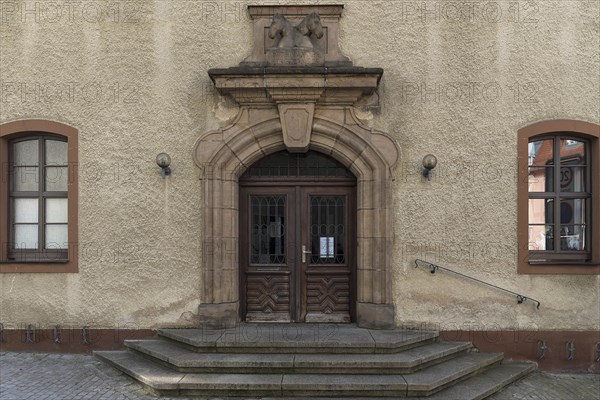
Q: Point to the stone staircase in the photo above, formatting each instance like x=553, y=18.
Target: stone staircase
x=312, y=360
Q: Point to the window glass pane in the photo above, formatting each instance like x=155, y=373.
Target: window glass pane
x=283, y=163
x=572, y=152
x=26, y=152
x=541, y=152
x=572, y=211
x=267, y=230
x=541, y=179
x=327, y=229
x=26, y=179
x=541, y=237
x=572, y=179
x=572, y=237
x=541, y=211
x=56, y=179
x=56, y=152
x=56, y=211
x=57, y=236
x=26, y=236
x=26, y=210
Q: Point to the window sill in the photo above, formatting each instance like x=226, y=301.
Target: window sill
x=559, y=267
x=50, y=266
x=564, y=262
x=33, y=262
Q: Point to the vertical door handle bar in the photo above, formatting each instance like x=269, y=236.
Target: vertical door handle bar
x=304, y=253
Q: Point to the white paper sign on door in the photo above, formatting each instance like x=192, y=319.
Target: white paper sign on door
x=326, y=247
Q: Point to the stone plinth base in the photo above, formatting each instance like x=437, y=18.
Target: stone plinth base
x=375, y=316
x=295, y=57
x=219, y=315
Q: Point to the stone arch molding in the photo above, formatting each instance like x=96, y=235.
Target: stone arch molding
x=224, y=154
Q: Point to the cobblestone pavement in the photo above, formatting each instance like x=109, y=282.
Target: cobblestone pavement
x=547, y=386
x=34, y=376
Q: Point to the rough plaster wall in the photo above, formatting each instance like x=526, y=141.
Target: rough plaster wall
x=139, y=234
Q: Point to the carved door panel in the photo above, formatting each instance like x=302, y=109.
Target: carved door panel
x=297, y=250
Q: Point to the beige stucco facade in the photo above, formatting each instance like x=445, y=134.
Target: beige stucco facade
x=460, y=79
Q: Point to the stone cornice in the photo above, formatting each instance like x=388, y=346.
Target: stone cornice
x=339, y=86
x=333, y=10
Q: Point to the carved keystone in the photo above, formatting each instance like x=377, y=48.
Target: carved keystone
x=296, y=124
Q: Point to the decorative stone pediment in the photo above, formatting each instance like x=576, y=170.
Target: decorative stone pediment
x=295, y=66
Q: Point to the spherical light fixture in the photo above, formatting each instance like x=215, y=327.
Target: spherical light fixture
x=429, y=163
x=164, y=160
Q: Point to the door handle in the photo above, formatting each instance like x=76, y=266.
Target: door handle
x=304, y=253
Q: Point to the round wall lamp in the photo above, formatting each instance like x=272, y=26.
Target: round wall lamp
x=429, y=163
x=164, y=160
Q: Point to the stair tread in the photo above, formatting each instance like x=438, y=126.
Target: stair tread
x=475, y=388
x=160, y=377
x=181, y=357
x=422, y=381
x=407, y=358
x=489, y=382
x=449, y=371
x=145, y=371
x=297, y=337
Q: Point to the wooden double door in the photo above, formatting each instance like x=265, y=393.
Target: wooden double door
x=297, y=251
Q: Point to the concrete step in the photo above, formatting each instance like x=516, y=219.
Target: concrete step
x=298, y=338
x=181, y=359
x=441, y=376
x=153, y=375
x=423, y=383
x=478, y=387
x=489, y=382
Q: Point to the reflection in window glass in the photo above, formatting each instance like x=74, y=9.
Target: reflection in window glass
x=267, y=230
x=559, y=198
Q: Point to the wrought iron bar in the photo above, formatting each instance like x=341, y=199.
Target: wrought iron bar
x=1, y=332
x=57, y=334
x=85, y=335
x=542, y=348
x=433, y=268
x=571, y=350
x=597, y=359
x=30, y=334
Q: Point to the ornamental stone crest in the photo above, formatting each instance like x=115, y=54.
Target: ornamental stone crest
x=293, y=46
x=290, y=36
x=296, y=36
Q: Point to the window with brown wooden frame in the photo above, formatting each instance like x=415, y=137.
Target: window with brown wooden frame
x=38, y=197
x=558, y=198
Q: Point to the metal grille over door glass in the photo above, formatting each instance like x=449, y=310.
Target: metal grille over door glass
x=267, y=245
x=327, y=229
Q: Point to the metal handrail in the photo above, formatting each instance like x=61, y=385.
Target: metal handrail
x=433, y=268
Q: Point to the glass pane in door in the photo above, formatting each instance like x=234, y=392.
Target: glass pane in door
x=267, y=230
x=327, y=229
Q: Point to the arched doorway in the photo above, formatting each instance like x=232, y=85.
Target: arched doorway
x=224, y=155
x=297, y=239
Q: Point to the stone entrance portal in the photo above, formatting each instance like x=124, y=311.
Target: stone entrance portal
x=296, y=108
